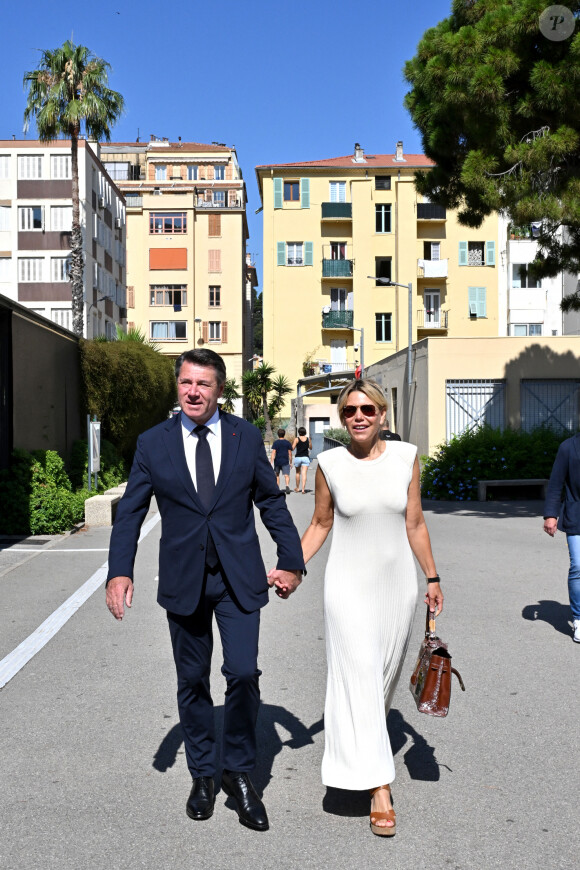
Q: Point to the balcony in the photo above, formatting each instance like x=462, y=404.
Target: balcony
x=429, y=211
x=336, y=211
x=132, y=201
x=226, y=202
x=432, y=268
x=432, y=319
x=338, y=319
x=337, y=268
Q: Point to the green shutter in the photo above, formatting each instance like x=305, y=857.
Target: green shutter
x=278, y=182
x=490, y=253
x=463, y=253
x=308, y=253
x=304, y=193
x=281, y=253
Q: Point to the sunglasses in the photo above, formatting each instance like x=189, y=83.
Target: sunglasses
x=350, y=410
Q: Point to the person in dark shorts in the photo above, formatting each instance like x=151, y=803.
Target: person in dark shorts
x=281, y=458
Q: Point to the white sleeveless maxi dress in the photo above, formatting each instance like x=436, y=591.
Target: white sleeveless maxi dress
x=370, y=592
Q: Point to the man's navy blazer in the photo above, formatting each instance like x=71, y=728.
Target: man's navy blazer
x=245, y=479
x=565, y=473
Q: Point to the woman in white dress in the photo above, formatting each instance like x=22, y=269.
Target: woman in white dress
x=370, y=493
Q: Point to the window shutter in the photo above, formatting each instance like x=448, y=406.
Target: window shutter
x=204, y=330
x=214, y=261
x=224, y=331
x=215, y=225
x=308, y=253
x=481, y=301
x=463, y=253
x=304, y=193
x=130, y=325
x=281, y=253
x=278, y=182
x=130, y=297
x=490, y=253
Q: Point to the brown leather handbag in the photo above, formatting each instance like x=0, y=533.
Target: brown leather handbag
x=431, y=680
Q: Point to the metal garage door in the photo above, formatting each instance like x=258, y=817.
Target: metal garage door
x=474, y=403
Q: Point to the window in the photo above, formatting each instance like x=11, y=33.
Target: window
x=382, y=269
x=61, y=217
x=219, y=198
x=215, y=330
x=160, y=172
x=215, y=261
x=168, y=330
x=294, y=254
x=338, y=191
x=526, y=328
x=118, y=171
x=522, y=276
x=432, y=308
x=383, y=327
x=383, y=218
x=215, y=225
x=291, y=191
x=167, y=294
x=175, y=222
x=215, y=293
x=30, y=217
x=192, y=173
x=5, y=217
x=5, y=268
x=30, y=167
x=219, y=173
x=4, y=166
x=59, y=268
x=60, y=166
x=62, y=316
x=477, y=253
x=431, y=250
x=338, y=250
x=176, y=172
x=30, y=269
x=477, y=302
x=338, y=298
x=382, y=182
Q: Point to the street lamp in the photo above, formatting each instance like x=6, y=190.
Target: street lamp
x=409, y=287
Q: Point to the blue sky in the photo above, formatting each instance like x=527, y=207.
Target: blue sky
x=302, y=81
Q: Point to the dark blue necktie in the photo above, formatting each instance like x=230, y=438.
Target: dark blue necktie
x=204, y=467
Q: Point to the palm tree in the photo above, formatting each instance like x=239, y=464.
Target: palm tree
x=68, y=90
x=280, y=387
x=230, y=394
x=256, y=385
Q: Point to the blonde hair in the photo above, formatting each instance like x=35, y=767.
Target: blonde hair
x=363, y=385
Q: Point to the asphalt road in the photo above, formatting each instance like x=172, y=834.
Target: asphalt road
x=93, y=769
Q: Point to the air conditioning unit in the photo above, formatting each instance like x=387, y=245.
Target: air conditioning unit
x=101, y=202
x=118, y=223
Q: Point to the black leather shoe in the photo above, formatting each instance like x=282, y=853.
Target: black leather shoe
x=249, y=807
x=201, y=799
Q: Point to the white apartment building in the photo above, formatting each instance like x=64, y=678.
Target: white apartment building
x=35, y=233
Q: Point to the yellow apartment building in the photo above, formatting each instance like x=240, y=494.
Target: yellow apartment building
x=187, y=275
x=330, y=224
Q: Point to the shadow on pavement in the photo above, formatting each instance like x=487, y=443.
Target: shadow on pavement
x=492, y=510
x=553, y=612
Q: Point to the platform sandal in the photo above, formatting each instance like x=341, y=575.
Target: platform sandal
x=390, y=816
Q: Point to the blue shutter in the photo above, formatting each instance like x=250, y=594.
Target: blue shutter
x=477, y=301
x=281, y=253
x=463, y=253
x=304, y=193
x=278, y=182
x=308, y=253
x=490, y=253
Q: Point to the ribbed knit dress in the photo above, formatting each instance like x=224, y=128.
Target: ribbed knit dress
x=370, y=592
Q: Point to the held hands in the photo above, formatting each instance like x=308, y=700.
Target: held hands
x=119, y=592
x=286, y=582
x=434, y=598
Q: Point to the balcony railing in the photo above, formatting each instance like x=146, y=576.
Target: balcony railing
x=133, y=201
x=429, y=211
x=325, y=368
x=432, y=319
x=432, y=268
x=338, y=320
x=218, y=203
x=336, y=211
x=337, y=268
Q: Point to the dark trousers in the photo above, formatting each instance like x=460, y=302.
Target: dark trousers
x=192, y=641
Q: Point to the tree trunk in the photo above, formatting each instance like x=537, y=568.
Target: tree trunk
x=268, y=436
x=76, y=254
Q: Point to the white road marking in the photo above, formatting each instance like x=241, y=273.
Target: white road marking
x=15, y=661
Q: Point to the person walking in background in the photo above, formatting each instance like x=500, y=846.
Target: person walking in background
x=386, y=435
x=281, y=458
x=302, y=444
x=370, y=493
x=566, y=515
x=207, y=469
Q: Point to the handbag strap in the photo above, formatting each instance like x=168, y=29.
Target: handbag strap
x=429, y=623
x=458, y=675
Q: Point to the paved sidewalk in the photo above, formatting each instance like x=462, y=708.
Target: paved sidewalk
x=94, y=774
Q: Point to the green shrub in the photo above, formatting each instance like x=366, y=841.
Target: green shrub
x=113, y=468
x=37, y=496
x=485, y=453
x=129, y=387
x=338, y=435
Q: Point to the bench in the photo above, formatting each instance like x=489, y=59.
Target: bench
x=100, y=510
x=537, y=482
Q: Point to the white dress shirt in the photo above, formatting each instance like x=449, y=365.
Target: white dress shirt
x=214, y=439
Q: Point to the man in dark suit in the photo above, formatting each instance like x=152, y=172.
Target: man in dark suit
x=566, y=517
x=207, y=470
